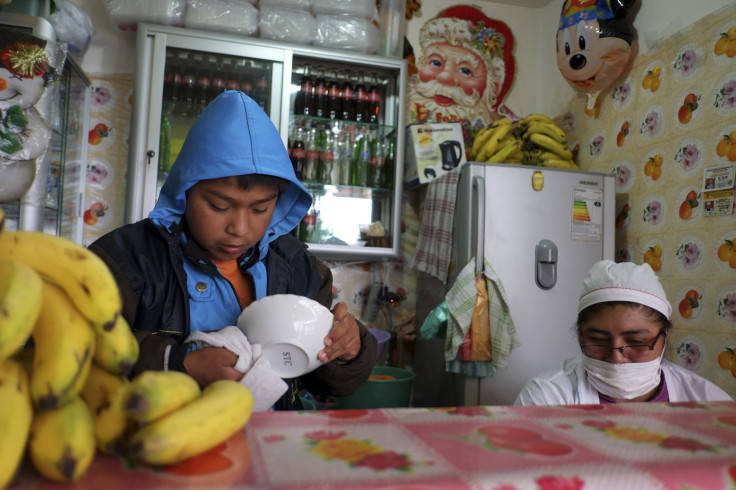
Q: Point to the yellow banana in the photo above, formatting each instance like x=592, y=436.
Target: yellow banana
x=15, y=422
x=62, y=442
x=117, y=349
x=154, y=394
x=64, y=344
x=20, y=303
x=2, y=220
x=223, y=409
x=531, y=118
x=550, y=129
x=504, y=153
x=106, y=395
x=547, y=143
x=494, y=142
x=481, y=138
x=84, y=276
x=559, y=163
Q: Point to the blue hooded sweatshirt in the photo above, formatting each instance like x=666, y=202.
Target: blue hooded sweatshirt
x=231, y=137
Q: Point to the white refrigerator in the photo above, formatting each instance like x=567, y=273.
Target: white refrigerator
x=541, y=229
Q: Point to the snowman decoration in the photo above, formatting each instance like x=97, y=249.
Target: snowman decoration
x=25, y=72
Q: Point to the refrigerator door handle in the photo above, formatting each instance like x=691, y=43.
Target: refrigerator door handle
x=479, y=188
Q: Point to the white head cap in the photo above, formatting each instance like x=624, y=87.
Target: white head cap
x=609, y=281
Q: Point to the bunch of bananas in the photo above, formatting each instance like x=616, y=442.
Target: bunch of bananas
x=534, y=140
x=66, y=394
x=544, y=143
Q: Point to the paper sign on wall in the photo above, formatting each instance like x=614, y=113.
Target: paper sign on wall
x=718, y=190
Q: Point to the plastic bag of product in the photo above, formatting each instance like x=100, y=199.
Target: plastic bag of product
x=292, y=4
x=362, y=8
x=347, y=32
x=126, y=14
x=283, y=24
x=72, y=26
x=236, y=16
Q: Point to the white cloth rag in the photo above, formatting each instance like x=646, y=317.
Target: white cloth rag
x=258, y=376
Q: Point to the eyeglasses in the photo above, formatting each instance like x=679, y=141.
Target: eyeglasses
x=632, y=352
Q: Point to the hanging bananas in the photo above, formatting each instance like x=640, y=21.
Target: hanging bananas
x=20, y=303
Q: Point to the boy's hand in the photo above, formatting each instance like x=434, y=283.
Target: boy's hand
x=343, y=341
x=211, y=364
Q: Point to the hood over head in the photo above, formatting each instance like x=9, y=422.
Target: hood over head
x=232, y=137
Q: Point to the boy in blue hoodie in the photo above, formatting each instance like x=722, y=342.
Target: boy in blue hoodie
x=217, y=240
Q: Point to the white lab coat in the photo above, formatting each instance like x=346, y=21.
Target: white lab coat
x=570, y=386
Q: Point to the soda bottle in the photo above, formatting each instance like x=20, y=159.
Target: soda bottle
x=347, y=99
x=261, y=93
x=298, y=153
x=319, y=102
x=303, y=103
x=361, y=99
x=345, y=156
x=232, y=76
x=390, y=159
x=311, y=166
x=377, y=165
x=308, y=224
x=218, y=77
x=361, y=159
x=188, y=80
x=333, y=96
x=374, y=100
x=328, y=151
x=246, y=81
x=202, y=88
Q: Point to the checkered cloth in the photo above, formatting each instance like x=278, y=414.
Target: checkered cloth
x=434, y=245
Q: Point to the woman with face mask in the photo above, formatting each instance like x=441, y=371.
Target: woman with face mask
x=622, y=327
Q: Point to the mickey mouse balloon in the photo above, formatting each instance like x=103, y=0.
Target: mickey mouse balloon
x=594, y=44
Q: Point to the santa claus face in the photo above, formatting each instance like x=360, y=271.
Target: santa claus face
x=16, y=90
x=452, y=75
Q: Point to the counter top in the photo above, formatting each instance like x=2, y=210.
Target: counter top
x=634, y=445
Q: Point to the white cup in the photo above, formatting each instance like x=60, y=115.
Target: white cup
x=290, y=328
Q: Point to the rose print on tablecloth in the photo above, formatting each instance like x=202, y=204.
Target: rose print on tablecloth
x=624, y=176
x=653, y=213
x=596, y=145
x=727, y=307
x=651, y=123
x=688, y=156
x=101, y=96
x=689, y=353
x=687, y=61
x=724, y=99
x=623, y=254
x=621, y=95
x=689, y=253
x=568, y=121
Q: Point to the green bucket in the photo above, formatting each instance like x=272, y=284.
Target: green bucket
x=381, y=393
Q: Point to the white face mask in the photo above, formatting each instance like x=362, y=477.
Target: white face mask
x=623, y=381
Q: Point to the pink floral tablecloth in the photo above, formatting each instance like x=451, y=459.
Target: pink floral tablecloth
x=632, y=446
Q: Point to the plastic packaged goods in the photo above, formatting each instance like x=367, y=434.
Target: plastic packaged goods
x=346, y=32
x=73, y=26
x=292, y=4
x=126, y=14
x=393, y=28
x=282, y=24
x=361, y=8
x=235, y=16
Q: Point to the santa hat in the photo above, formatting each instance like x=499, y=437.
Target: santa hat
x=491, y=40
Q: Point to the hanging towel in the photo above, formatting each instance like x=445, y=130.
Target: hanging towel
x=434, y=244
x=503, y=333
x=263, y=383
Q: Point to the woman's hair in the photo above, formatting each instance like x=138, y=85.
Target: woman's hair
x=249, y=181
x=651, y=313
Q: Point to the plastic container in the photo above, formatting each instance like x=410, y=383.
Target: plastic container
x=393, y=28
x=381, y=393
x=307, y=403
x=382, y=336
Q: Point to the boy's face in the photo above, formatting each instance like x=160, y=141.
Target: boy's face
x=226, y=220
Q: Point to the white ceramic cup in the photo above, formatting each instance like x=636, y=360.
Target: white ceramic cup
x=290, y=328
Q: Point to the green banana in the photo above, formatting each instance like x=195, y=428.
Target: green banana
x=550, y=129
x=505, y=153
x=84, y=276
x=154, y=394
x=549, y=144
x=62, y=442
x=223, y=408
x=20, y=304
x=106, y=395
x=493, y=143
x=117, y=349
x=64, y=344
x=15, y=422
